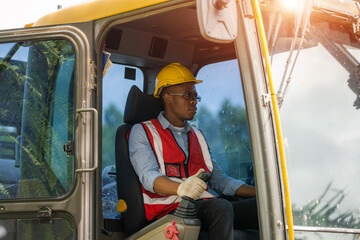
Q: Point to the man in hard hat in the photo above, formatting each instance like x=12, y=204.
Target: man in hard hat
x=168, y=154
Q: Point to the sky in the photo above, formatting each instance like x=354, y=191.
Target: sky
x=17, y=13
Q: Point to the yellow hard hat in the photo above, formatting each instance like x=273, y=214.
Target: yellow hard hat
x=173, y=74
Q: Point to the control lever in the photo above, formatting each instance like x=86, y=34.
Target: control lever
x=186, y=208
x=204, y=176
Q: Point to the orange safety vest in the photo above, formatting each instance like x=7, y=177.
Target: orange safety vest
x=171, y=161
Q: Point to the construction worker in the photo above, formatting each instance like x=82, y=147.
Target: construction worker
x=168, y=154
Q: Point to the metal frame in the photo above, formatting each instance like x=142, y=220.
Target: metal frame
x=262, y=132
x=326, y=230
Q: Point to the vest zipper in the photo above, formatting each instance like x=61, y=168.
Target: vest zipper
x=186, y=168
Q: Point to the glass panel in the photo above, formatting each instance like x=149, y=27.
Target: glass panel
x=320, y=116
x=31, y=229
x=324, y=236
x=36, y=118
x=222, y=118
x=116, y=86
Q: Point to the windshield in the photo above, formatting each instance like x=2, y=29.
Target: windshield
x=320, y=114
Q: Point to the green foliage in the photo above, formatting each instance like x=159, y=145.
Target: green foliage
x=112, y=120
x=3, y=192
x=7, y=143
x=324, y=211
x=229, y=126
x=209, y=125
x=13, y=75
x=227, y=136
x=234, y=134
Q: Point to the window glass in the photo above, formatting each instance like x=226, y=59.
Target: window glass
x=320, y=116
x=116, y=86
x=222, y=118
x=322, y=236
x=31, y=229
x=36, y=118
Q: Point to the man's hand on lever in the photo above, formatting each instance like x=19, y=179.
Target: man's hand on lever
x=193, y=187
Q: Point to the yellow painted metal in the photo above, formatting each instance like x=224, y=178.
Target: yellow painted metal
x=93, y=10
x=29, y=25
x=264, y=46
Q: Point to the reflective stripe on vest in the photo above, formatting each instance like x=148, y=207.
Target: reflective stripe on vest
x=204, y=148
x=158, y=149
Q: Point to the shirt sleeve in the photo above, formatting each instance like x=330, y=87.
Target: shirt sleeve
x=222, y=183
x=142, y=157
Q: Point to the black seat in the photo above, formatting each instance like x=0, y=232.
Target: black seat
x=139, y=107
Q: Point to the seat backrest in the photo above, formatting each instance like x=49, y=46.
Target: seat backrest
x=139, y=107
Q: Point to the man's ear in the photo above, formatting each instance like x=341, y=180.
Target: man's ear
x=166, y=98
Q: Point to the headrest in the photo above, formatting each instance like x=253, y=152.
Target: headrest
x=141, y=106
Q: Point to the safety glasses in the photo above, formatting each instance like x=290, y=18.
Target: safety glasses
x=188, y=96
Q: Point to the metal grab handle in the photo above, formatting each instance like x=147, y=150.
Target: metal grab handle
x=95, y=142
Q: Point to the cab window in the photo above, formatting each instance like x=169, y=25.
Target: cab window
x=116, y=85
x=320, y=117
x=31, y=229
x=222, y=119
x=36, y=118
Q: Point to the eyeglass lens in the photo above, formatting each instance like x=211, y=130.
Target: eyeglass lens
x=191, y=96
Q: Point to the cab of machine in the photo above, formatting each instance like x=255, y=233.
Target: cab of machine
x=66, y=79
x=65, y=117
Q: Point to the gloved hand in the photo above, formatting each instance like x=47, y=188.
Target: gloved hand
x=193, y=187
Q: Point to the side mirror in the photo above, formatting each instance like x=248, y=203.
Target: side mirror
x=217, y=20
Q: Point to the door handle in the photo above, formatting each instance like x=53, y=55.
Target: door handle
x=95, y=141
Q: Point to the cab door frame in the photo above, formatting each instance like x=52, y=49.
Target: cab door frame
x=79, y=202
x=262, y=130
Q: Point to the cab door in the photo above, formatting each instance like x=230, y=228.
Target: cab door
x=47, y=124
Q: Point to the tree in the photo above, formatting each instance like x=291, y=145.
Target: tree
x=112, y=120
x=233, y=122
x=324, y=211
x=228, y=139
x=209, y=127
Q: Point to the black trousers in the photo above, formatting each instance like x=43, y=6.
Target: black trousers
x=219, y=217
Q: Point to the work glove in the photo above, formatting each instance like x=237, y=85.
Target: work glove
x=193, y=187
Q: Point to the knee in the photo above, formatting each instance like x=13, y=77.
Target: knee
x=214, y=208
x=222, y=207
x=215, y=214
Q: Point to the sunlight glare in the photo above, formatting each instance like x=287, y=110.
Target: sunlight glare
x=290, y=4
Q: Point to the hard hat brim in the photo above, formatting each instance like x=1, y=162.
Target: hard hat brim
x=157, y=93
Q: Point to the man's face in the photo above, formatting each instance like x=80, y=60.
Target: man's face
x=179, y=108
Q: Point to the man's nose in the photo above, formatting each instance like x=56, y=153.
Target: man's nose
x=193, y=101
